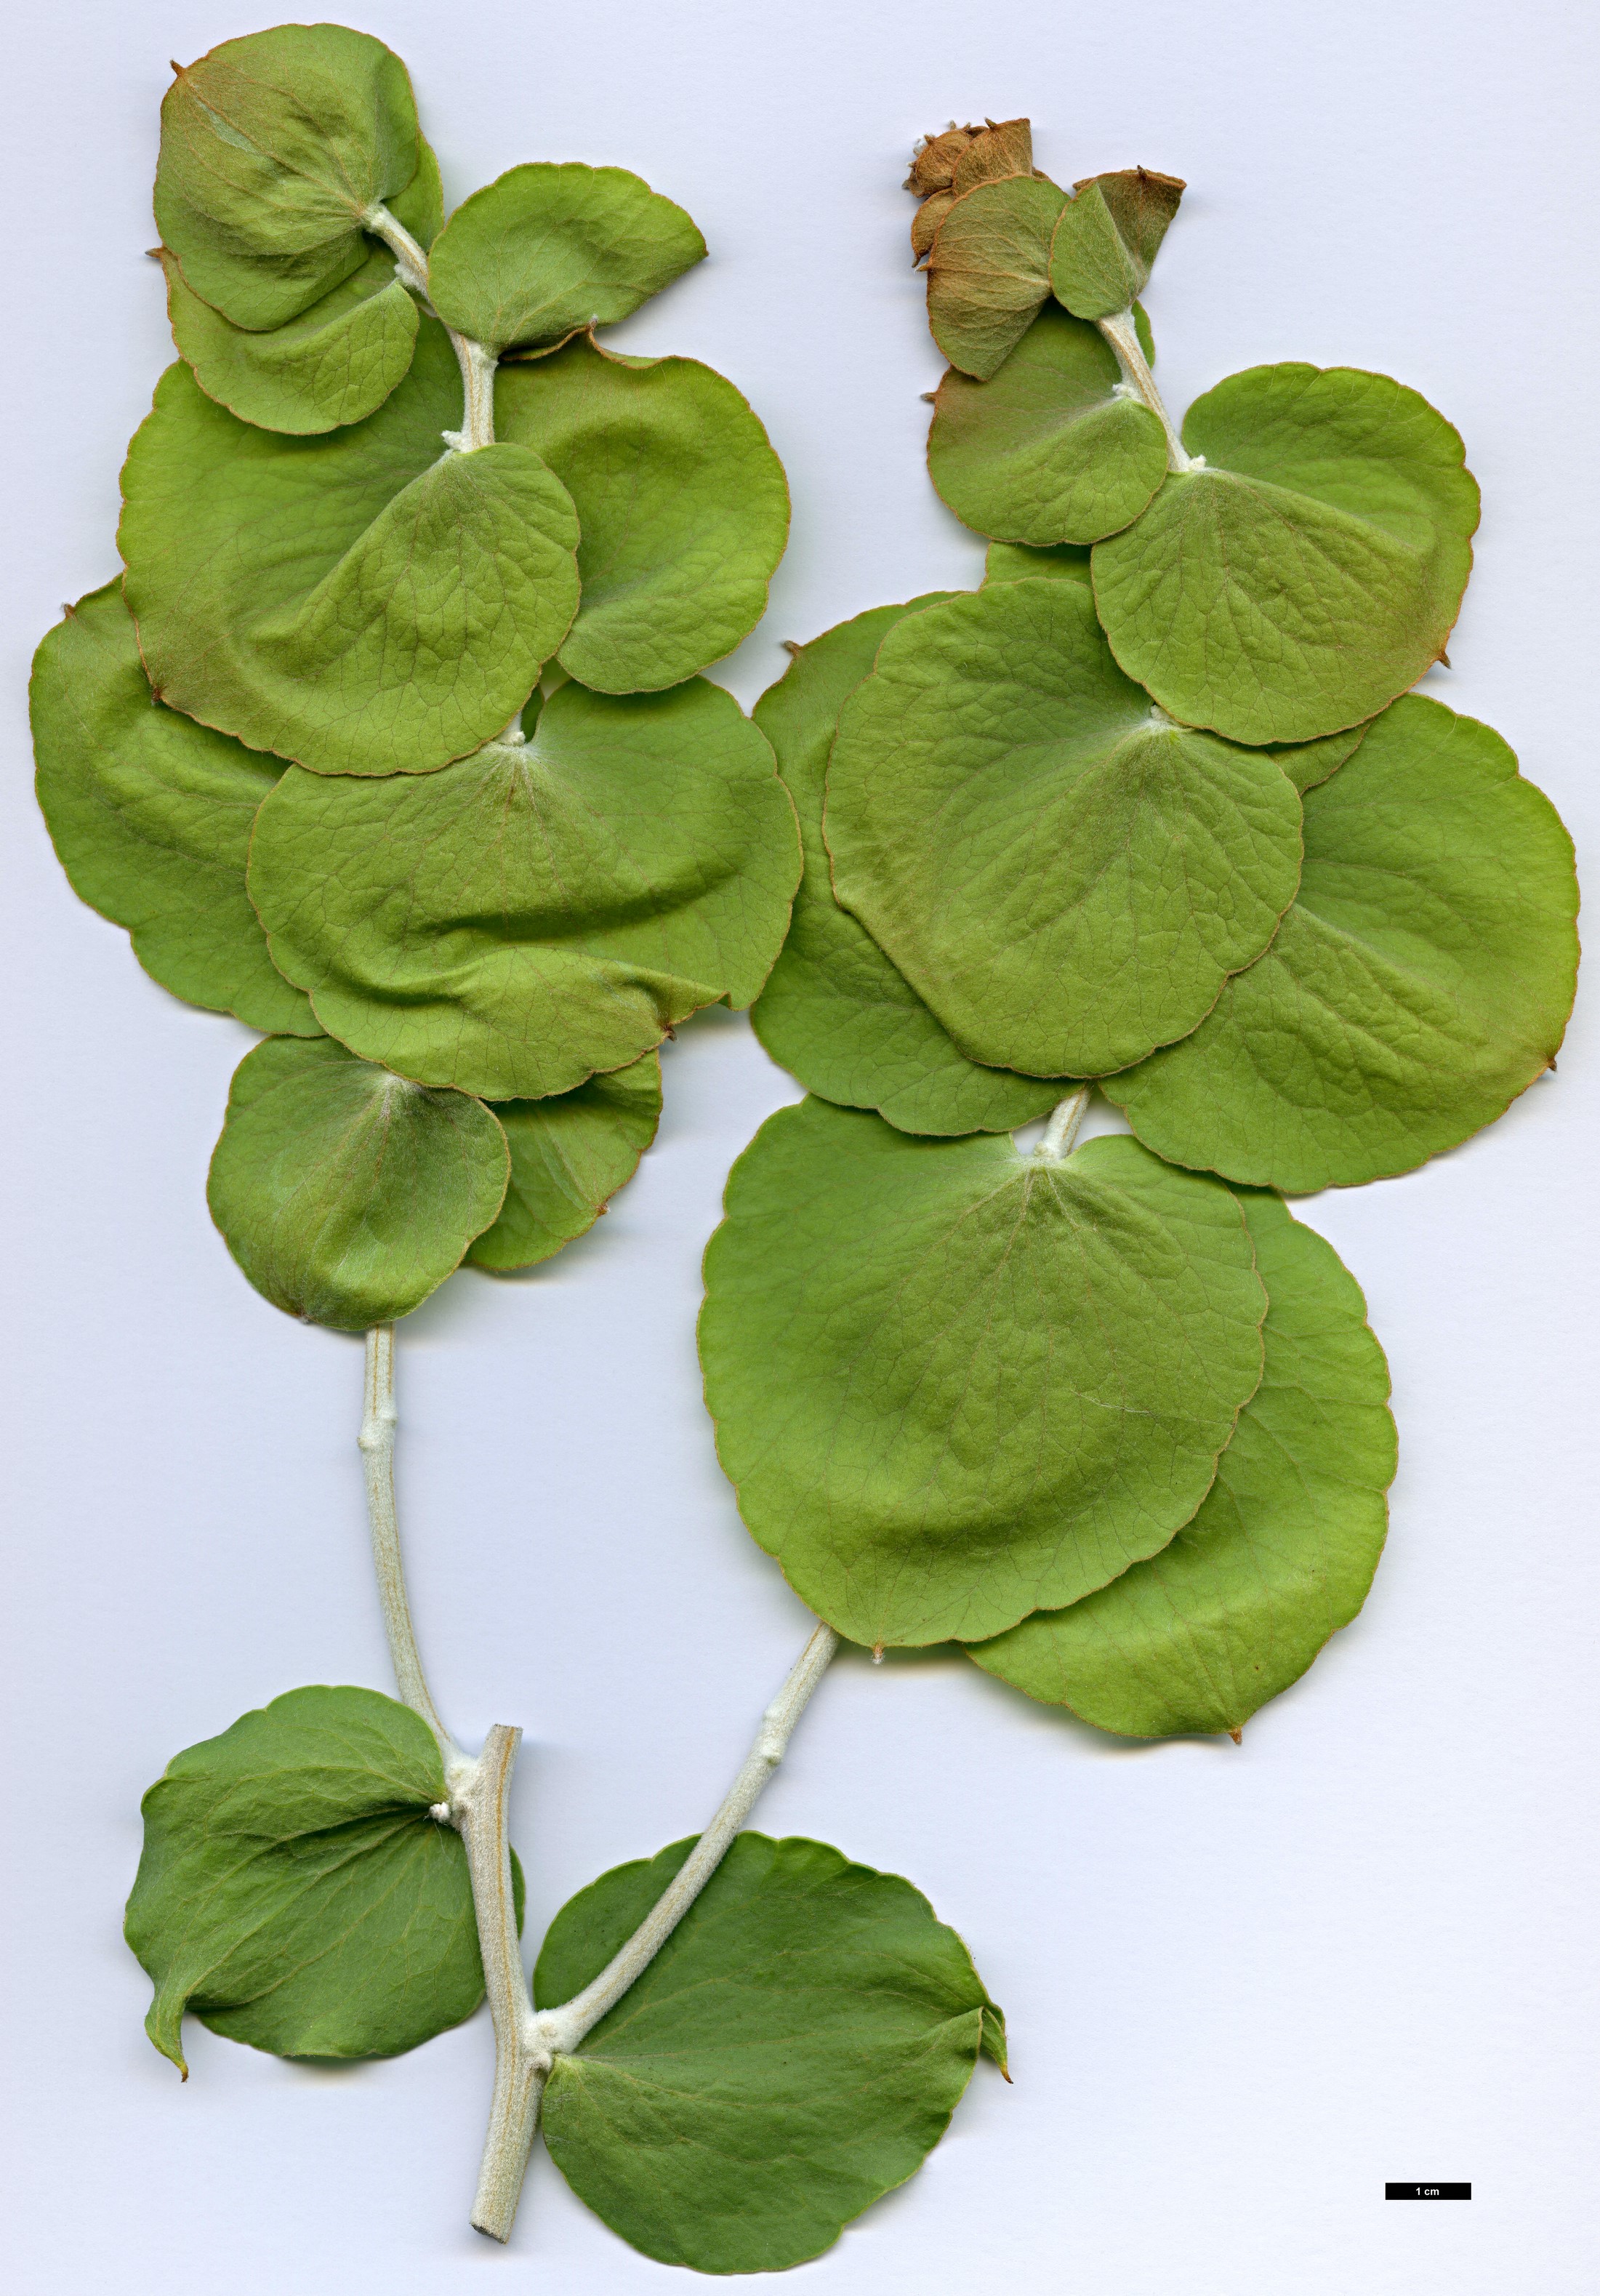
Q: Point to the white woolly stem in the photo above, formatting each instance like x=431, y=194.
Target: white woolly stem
x=377, y=1442
x=542, y=2035
x=1123, y=337
x=476, y=360
x=1062, y=1130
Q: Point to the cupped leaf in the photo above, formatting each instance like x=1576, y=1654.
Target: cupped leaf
x=988, y=270
x=274, y=149
x=1421, y=980
x=569, y=1155
x=549, y=247
x=1000, y=149
x=1107, y=238
x=683, y=506
x=1020, y=562
x=348, y=1194
x=933, y=161
x=544, y=909
x=151, y=816
x=795, y=2050
x=295, y=1891
x=834, y=1009
x=1283, y=1551
x=954, y=1383
x=336, y=363
x=364, y=602
x=1306, y=568
x=1053, y=448
x=1064, y=874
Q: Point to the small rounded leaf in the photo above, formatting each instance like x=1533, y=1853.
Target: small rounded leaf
x=150, y=817
x=548, y=249
x=337, y=363
x=1421, y=980
x=683, y=506
x=795, y=2050
x=1307, y=570
x=569, y=1154
x=274, y=149
x=1107, y=237
x=954, y=1383
x=546, y=908
x=1280, y=1554
x=345, y=1193
x=834, y=1009
x=363, y=602
x=296, y=1893
x=1051, y=449
x=1064, y=874
x=988, y=270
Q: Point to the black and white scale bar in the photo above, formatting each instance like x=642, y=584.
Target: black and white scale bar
x=1427, y=2192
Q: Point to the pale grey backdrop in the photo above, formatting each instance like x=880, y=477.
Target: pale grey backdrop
x=1245, y=1986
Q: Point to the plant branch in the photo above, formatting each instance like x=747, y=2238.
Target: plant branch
x=476, y=360
x=1123, y=336
x=541, y=2036
x=480, y=1810
x=1062, y=1130
x=377, y=1442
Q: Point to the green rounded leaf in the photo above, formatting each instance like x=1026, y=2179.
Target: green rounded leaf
x=1280, y=1554
x=544, y=909
x=151, y=816
x=683, y=504
x=954, y=1383
x=1308, y=571
x=1017, y=561
x=295, y=1893
x=988, y=270
x=363, y=602
x=547, y=249
x=1421, y=980
x=421, y=206
x=794, y=2051
x=1064, y=874
x=834, y=1009
x=569, y=1155
x=1052, y=448
x=335, y=364
x=1107, y=238
x=274, y=149
x=348, y=1194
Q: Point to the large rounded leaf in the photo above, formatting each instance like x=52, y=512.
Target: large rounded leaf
x=795, y=2050
x=1282, y=1552
x=835, y=1010
x=1053, y=448
x=274, y=149
x=1307, y=570
x=364, y=602
x=345, y=1193
x=1066, y=876
x=1421, y=980
x=295, y=1891
x=337, y=363
x=150, y=817
x=569, y=1155
x=1020, y=562
x=543, y=909
x=954, y=1383
x=547, y=249
x=988, y=270
x=683, y=504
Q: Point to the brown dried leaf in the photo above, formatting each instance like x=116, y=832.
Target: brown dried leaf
x=1000, y=149
x=933, y=162
x=927, y=219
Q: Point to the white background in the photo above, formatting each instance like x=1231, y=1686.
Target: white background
x=1245, y=1986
